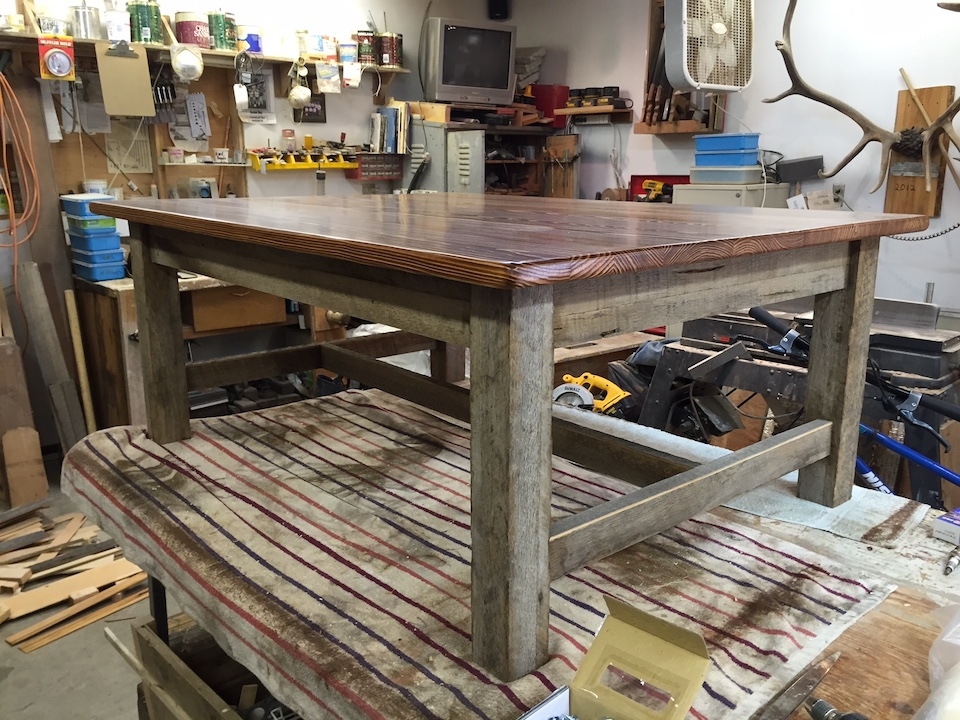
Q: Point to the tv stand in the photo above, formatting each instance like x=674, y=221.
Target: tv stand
x=514, y=115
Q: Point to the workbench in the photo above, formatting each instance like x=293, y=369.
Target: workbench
x=512, y=278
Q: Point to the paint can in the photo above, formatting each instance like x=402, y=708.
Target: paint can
x=140, y=29
x=118, y=25
x=217, y=22
x=348, y=52
x=85, y=22
x=366, y=47
x=193, y=28
x=249, y=39
x=390, y=50
x=230, y=28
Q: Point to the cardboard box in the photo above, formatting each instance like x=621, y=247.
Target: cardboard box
x=947, y=527
x=639, y=668
x=230, y=307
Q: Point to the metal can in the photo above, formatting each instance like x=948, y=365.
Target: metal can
x=192, y=28
x=140, y=29
x=390, y=50
x=156, y=22
x=230, y=28
x=366, y=47
x=217, y=22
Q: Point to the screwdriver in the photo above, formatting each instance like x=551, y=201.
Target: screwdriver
x=822, y=710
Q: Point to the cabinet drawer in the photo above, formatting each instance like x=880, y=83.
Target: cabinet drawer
x=229, y=307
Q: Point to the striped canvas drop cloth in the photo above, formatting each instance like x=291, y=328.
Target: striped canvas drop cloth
x=326, y=546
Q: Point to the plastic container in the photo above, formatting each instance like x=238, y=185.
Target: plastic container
x=79, y=205
x=98, y=257
x=727, y=141
x=92, y=225
x=726, y=175
x=99, y=272
x=95, y=243
x=727, y=158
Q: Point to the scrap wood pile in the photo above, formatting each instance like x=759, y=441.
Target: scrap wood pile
x=48, y=560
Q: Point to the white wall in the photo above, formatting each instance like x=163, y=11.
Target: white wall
x=850, y=49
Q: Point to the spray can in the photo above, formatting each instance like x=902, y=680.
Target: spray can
x=321, y=183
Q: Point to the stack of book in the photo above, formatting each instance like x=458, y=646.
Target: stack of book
x=388, y=128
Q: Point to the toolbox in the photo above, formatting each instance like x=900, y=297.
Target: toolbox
x=91, y=224
x=79, y=205
x=727, y=158
x=100, y=271
x=98, y=257
x=95, y=242
x=726, y=141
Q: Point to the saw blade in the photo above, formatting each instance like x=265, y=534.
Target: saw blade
x=573, y=395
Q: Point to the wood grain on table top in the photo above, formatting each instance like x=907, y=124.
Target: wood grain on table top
x=507, y=241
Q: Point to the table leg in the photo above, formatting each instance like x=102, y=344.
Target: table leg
x=838, y=361
x=161, y=342
x=448, y=362
x=511, y=369
x=158, y=608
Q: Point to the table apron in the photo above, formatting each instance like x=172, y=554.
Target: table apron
x=589, y=309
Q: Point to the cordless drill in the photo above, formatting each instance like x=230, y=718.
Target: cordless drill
x=822, y=710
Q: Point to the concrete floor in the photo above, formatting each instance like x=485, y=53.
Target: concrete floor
x=79, y=676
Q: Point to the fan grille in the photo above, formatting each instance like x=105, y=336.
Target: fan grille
x=712, y=70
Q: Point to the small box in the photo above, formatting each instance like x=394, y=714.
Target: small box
x=727, y=158
x=79, y=205
x=99, y=272
x=727, y=175
x=229, y=307
x=98, y=257
x=95, y=243
x=727, y=141
x=947, y=527
x=616, y=681
x=91, y=224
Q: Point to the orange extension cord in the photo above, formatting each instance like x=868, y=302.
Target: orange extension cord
x=13, y=121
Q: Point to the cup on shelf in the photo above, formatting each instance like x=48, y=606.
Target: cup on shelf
x=222, y=155
x=176, y=155
x=95, y=186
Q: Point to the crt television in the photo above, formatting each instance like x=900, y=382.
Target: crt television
x=468, y=61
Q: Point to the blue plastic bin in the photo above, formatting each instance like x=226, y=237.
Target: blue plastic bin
x=91, y=225
x=727, y=158
x=99, y=272
x=95, y=243
x=727, y=141
x=98, y=257
x=79, y=205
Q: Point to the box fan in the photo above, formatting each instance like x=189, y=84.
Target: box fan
x=709, y=44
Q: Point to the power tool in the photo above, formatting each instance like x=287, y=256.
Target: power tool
x=593, y=392
x=657, y=191
x=822, y=710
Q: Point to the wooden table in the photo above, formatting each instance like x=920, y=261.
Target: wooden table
x=512, y=278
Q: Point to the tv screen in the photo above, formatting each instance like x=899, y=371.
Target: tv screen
x=476, y=57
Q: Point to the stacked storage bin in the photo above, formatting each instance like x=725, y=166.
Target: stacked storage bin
x=727, y=158
x=93, y=239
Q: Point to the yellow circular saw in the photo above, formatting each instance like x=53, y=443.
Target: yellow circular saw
x=592, y=392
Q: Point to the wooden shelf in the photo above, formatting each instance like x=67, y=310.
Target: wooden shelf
x=203, y=165
x=495, y=161
x=677, y=127
x=617, y=115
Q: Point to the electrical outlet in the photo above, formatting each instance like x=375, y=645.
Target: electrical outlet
x=838, y=190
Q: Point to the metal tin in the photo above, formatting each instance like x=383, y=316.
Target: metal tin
x=390, y=50
x=140, y=29
x=85, y=22
x=367, y=47
x=50, y=25
x=118, y=25
x=156, y=22
x=230, y=28
x=217, y=22
x=192, y=28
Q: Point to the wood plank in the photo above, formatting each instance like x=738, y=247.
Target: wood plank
x=17, y=573
x=551, y=240
x=82, y=622
x=8, y=517
x=75, y=554
x=59, y=590
x=67, y=613
x=448, y=362
x=410, y=301
x=24, y=528
x=161, y=343
x=6, y=324
x=511, y=356
x=79, y=562
x=14, y=400
x=68, y=412
x=49, y=352
x=26, y=478
x=59, y=540
x=186, y=690
x=617, y=524
x=83, y=379
x=23, y=541
x=608, y=306
x=838, y=362
x=103, y=342
x=908, y=193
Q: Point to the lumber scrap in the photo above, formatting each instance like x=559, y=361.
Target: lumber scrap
x=83, y=621
x=9, y=517
x=59, y=590
x=14, y=399
x=17, y=573
x=60, y=539
x=80, y=360
x=79, y=553
x=26, y=478
x=67, y=411
x=94, y=599
x=18, y=543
